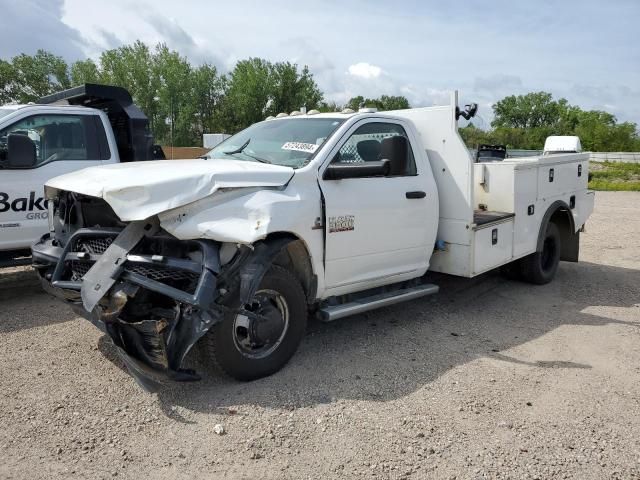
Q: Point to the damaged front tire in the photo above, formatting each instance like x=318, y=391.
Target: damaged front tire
x=257, y=339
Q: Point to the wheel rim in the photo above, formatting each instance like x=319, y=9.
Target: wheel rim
x=548, y=254
x=259, y=333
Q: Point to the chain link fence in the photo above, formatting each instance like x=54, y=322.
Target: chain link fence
x=626, y=157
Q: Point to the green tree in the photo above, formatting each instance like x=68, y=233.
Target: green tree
x=248, y=94
x=182, y=101
x=600, y=132
x=515, y=138
x=84, y=71
x=391, y=102
x=537, y=109
x=206, y=99
x=383, y=103
x=33, y=76
x=133, y=67
x=355, y=103
x=7, y=82
x=174, y=74
x=291, y=89
x=257, y=88
x=329, y=107
x=474, y=136
x=525, y=121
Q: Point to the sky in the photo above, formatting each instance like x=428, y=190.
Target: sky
x=585, y=51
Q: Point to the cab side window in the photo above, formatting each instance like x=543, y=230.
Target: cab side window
x=380, y=141
x=57, y=137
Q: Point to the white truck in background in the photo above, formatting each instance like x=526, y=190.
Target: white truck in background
x=332, y=214
x=82, y=127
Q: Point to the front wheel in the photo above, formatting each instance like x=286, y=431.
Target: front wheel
x=540, y=267
x=261, y=342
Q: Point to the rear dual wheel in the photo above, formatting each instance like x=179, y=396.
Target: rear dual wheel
x=540, y=267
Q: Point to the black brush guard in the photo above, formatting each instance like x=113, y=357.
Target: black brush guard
x=153, y=349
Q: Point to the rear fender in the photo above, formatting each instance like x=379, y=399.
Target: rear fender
x=560, y=214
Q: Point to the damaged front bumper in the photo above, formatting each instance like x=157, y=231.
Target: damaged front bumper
x=154, y=295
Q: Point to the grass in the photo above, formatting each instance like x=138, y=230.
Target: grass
x=615, y=176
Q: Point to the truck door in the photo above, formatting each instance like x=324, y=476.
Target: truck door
x=64, y=143
x=379, y=229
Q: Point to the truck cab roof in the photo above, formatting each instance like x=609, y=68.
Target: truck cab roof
x=6, y=110
x=335, y=115
x=13, y=107
x=40, y=106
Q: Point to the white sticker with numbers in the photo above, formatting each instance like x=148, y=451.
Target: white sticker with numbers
x=300, y=147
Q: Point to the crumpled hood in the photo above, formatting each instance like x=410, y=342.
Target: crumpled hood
x=139, y=190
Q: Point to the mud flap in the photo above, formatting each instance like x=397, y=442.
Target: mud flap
x=570, y=247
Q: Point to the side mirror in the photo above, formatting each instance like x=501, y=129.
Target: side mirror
x=468, y=113
x=21, y=151
x=157, y=153
x=340, y=170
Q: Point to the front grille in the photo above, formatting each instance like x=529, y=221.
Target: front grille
x=94, y=245
x=161, y=273
x=80, y=269
x=77, y=269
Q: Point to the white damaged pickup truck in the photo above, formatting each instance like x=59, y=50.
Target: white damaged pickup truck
x=331, y=214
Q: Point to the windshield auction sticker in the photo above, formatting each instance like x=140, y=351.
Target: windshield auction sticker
x=300, y=147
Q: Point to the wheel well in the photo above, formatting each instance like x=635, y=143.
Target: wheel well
x=564, y=222
x=295, y=258
x=560, y=215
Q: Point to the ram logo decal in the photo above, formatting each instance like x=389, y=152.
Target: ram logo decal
x=343, y=223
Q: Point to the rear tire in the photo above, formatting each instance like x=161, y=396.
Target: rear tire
x=247, y=349
x=539, y=268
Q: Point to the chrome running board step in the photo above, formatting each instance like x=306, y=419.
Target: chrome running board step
x=334, y=312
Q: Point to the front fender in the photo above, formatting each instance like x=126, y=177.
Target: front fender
x=240, y=216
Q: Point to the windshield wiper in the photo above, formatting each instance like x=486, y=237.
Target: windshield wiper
x=261, y=160
x=241, y=150
x=238, y=150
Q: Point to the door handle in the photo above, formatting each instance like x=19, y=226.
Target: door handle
x=416, y=194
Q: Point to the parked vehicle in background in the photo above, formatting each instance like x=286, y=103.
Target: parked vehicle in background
x=68, y=131
x=489, y=153
x=562, y=144
x=211, y=140
x=333, y=214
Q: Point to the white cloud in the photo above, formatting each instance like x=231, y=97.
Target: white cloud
x=550, y=55
x=421, y=96
x=36, y=24
x=365, y=70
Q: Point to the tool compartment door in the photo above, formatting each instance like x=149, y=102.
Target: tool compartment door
x=562, y=174
x=492, y=245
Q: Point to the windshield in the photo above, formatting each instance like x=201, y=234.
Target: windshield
x=5, y=111
x=291, y=142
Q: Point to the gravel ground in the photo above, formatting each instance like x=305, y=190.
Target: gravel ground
x=488, y=379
